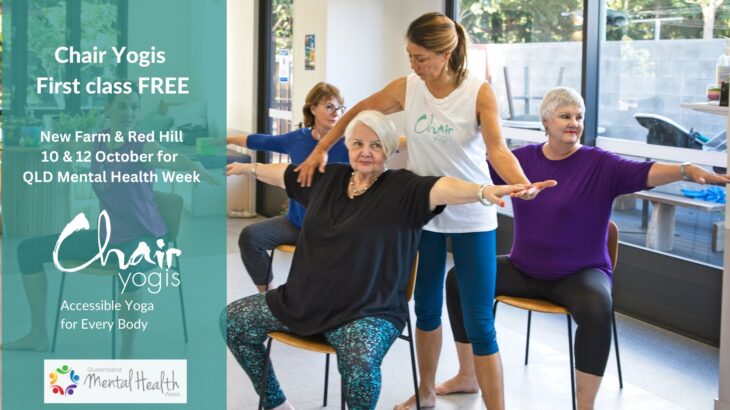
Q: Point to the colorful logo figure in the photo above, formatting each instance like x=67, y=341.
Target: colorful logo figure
x=64, y=373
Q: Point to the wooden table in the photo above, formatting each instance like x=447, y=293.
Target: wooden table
x=660, y=231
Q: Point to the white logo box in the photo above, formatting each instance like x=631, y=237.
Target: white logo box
x=67, y=381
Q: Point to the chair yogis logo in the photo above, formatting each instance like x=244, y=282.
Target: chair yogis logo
x=63, y=381
x=425, y=123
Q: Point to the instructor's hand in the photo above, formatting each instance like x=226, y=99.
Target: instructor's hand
x=316, y=160
x=533, y=190
x=494, y=193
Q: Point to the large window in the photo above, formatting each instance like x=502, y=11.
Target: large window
x=280, y=109
x=663, y=54
x=655, y=56
x=100, y=30
x=60, y=24
x=524, y=48
x=46, y=32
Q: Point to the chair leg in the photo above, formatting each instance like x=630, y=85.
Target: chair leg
x=182, y=311
x=343, y=405
x=326, y=378
x=615, y=343
x=270, y=273
x=114, y=318
x=572, y=372
x=182, y=303
x=58, y=312
x=413, y=364
x=264, y=378
x=527, y=342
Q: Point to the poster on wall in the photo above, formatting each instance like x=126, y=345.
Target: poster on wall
x=114, y=252
x=309, y=52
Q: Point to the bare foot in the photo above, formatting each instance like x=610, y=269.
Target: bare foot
x=28, y=342
x=458, y=384
x=427, y=402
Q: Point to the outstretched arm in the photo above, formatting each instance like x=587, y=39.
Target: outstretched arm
x=388, y=100
x=239, y=140
x=662, y=173
x=454, y=191
x=272, y=174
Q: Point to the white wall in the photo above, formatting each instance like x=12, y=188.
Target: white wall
x=360, y=46
x=241, y=64
x=310, y=17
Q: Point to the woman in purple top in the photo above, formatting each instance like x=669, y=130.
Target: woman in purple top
x=559, y=251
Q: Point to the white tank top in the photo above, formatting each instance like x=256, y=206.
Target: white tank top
x=444, y=139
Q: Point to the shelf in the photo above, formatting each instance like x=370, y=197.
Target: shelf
x=706, y=107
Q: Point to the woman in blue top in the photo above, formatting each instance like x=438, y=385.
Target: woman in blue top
x=321, y=110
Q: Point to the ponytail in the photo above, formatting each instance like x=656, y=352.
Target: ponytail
x=457, y=62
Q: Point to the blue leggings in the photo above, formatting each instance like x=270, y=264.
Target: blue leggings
x=360, y=346
x=475, y=260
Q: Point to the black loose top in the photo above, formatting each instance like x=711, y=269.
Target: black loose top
x=353, y=256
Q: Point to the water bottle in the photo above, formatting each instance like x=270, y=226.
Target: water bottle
x=722, y=69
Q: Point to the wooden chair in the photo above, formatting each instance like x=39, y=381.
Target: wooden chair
x=545, y=306
x=170, y=206
x=318, y=344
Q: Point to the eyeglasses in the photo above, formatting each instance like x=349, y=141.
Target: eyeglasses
x=331, y=109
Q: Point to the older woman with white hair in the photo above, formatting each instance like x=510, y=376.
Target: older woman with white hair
x=559, y=251
x=369, y=220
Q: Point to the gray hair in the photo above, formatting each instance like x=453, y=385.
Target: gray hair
x=381, y=126
x=560, y=97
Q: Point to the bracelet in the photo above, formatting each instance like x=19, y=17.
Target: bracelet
x=253, y=170
x=480, y=195
x=683, y=171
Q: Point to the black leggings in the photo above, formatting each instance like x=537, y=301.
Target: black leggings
x=586, y=295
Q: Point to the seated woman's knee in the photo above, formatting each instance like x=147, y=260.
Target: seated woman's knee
x=247, y=237
x=594, y=307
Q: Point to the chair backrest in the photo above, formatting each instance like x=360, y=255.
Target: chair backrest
x=170, y=206
x=412, y=279
x=613, y=243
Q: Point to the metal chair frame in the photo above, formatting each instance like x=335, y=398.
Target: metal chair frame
x=544, y=306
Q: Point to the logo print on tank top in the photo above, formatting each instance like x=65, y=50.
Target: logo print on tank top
x=440, y=133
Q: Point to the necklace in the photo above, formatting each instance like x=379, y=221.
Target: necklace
x=356, y=191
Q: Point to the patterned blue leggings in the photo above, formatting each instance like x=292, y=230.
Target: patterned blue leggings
x=360, y=346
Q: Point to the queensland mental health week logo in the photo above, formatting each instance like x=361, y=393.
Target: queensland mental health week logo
x=64, y=381
x=115, y=381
